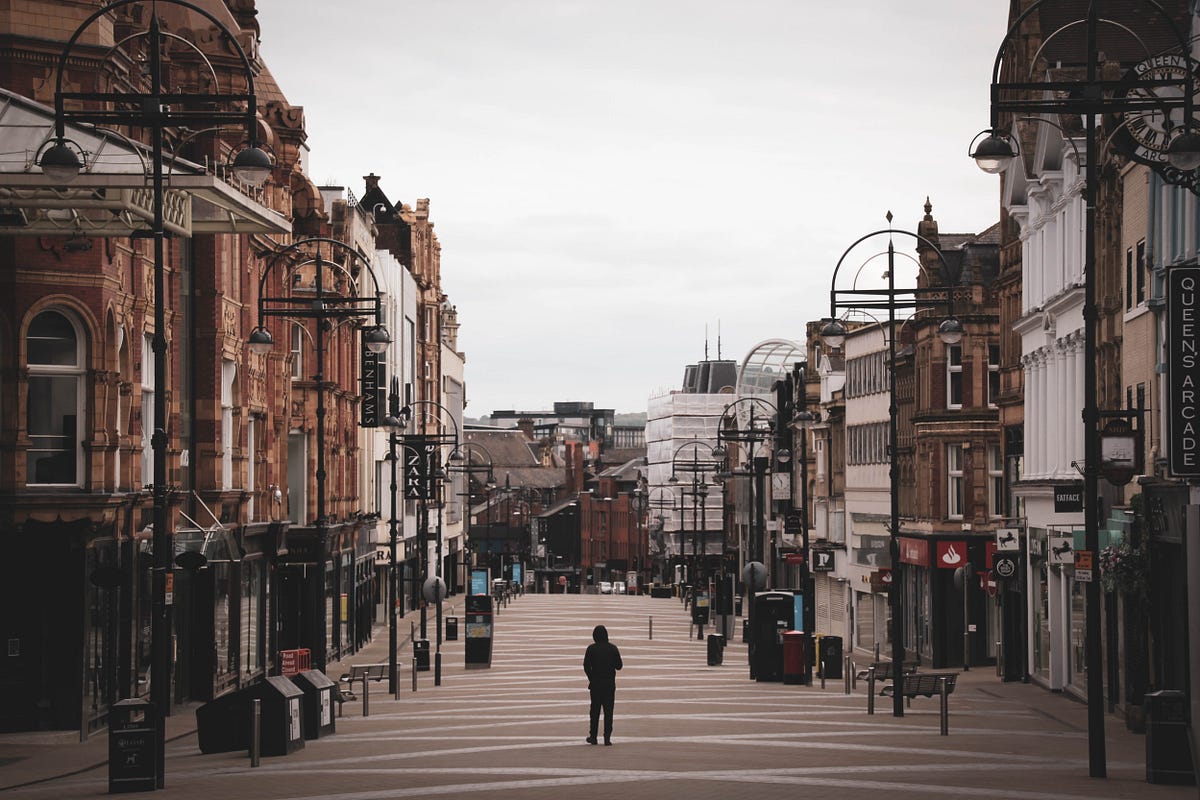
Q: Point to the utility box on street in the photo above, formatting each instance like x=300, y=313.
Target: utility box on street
x=318, y=703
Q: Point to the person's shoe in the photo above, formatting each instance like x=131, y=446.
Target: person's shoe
x=590, y=740
x=607, y=741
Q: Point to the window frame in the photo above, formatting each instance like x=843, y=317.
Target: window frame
x=954, y=481
x=954, y=376
x=76, y=371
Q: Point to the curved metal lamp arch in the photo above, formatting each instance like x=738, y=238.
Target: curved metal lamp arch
x=250, y=115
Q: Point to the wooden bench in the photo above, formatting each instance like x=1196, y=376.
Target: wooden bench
x=925, y=684
x=344, y=691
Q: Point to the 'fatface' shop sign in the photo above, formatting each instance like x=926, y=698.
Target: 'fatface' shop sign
x=1183, y=370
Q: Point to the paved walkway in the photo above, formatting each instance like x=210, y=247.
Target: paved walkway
x=683, y=730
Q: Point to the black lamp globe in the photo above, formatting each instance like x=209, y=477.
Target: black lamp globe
x=252, y=166
x=993, y=153
x=261, y=341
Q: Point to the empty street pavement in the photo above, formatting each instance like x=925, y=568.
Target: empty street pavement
x=683, y=730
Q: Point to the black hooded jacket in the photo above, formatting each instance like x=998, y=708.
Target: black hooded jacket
x=601, y=661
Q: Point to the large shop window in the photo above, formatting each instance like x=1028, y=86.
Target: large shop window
x=253, y=571
x=55, y=359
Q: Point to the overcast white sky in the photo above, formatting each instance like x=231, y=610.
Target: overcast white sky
x=610, y=179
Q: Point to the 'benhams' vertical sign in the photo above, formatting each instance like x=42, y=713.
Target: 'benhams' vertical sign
x=1183, y=370
x=373, y=392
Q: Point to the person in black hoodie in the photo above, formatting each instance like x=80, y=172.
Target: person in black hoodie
x=600, y=663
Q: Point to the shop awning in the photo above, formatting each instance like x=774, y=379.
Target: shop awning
x=113, y=196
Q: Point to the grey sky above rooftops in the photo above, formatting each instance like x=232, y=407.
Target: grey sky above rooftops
x=612, y=179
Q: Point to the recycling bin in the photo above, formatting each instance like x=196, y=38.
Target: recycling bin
x=132, y=746
x=317, y=707
x=223, y=724
x=716, y=649
x=451, y=629
x=1168, y=753
x=795, y=666
x=421, y=654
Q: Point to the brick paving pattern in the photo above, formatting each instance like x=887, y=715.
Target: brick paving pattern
x=683, y=730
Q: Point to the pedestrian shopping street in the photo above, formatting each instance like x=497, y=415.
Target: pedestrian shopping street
x=683, y=729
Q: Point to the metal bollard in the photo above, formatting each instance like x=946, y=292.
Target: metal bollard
x=822, y=673
x=853, y=675
x=847, y=674
x=256, y=733
x=366, y=697
x=414, y=672
x=437, y=668
x=945, y=706
x=870, y=690
x=651, y=625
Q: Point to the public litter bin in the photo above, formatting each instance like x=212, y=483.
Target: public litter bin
x=421, y=654
x=223, y=724
x=716, y=649
x=1168, y=754
x=132, y=746
x=794, y=665
x=829, y=654
x=451, y=629
x=317, y=706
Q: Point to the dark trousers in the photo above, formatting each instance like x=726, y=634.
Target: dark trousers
x=602, y=697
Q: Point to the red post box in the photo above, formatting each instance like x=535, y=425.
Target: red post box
x=794, y=662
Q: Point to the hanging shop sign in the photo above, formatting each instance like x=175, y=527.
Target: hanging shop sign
x=1061, y=548
x=1068, y=499
x=822, y=560
x=951, y=554
x=914, y=551
x=1183, y=371
x=1006, y=539
x=1005, y=565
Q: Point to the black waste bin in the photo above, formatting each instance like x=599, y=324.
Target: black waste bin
x=318, y=702
x=223, y=724
x=132, y=746
x=451, y=629
x=1168, y=754
x=829, y=651
x=716, y=649
x=421, y=654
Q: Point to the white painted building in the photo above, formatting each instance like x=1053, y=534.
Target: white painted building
x=1048, y=205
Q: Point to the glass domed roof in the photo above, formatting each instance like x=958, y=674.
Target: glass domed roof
x=767, y=362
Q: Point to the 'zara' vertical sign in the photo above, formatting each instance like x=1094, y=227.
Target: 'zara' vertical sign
x=1183, y=370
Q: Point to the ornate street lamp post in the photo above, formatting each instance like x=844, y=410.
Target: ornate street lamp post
x=323, y=306
x=156, y=110
x=423, y=480
x=1153, y=101
x=950, y=330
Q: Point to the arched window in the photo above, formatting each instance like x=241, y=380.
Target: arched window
x=55, y=359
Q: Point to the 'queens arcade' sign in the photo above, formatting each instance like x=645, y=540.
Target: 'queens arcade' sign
x=1183, y=370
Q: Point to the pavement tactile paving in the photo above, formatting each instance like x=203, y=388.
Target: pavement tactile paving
x=683, y=729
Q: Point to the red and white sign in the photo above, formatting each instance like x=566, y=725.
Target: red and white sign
x=914, y=551
x=951, y=555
